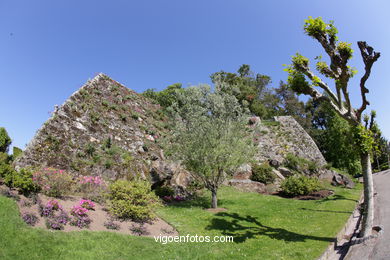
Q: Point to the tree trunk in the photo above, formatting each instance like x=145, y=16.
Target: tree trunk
x=368, y=214
x=214, y=200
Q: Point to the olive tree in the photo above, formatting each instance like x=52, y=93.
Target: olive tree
x=210, y=136
x=304, y=81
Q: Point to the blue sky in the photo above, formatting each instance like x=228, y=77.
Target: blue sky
x=48, y=49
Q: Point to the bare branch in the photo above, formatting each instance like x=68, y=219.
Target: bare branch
x=369, y=57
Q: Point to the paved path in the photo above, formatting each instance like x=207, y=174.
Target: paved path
x=377, y=248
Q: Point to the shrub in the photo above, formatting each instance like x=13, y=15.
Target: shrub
x=132, y=200
x=299, y=185
x=164, y=191
x=50, y=208
x=53, y=182
x=30, y=218
x=57, y=221
x=139, y=229
x=110, y=224
x=263, y=173
x=92, y=187
x=21, y=180
x=87, y=204
x=80, y=217
x=300, y=164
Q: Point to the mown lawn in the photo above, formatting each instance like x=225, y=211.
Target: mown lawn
x=263, y=227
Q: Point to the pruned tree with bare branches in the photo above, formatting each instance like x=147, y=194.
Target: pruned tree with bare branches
x=304, y=81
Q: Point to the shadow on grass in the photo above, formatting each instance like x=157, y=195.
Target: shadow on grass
x=197, y=202
x=331, y=211
x=243, y=228
x=335, y=197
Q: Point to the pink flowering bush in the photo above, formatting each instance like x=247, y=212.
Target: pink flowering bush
x=78, y=211
x=80, y=217
x=49, y=209
x=92, y=187
x=87, y=204
x=53, y=182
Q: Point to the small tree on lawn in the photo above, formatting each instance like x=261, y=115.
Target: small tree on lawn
x=339, y=53
x=210, y=136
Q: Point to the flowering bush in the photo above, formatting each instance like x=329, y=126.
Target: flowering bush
x=78, y=211
x=92, y=187
x=57, y=221
x=30, y=218
x=139, y=229
x=81, y=221
x=87, y=204
x=53, y=182
x=80, y=217
x=48, y=210
x=110, y=224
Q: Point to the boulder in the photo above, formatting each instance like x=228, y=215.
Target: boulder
x=274, y=163
x=248, y=185
x=244, y=172
x=343, y=180
x=278, y=174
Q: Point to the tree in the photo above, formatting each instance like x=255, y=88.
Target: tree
x=248, y=88
x=334, y=137
x=5, y=140
x=210, y=135
x=339, y=53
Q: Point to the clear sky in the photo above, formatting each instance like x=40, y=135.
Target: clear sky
x=48, y=49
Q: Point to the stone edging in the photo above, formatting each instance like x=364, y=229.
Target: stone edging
x=353, y=222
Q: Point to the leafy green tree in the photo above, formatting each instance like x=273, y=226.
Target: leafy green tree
x=165, y=97
x=248, y=88
x=210, y=136
x=304, y=81
x=334, y=137
x=5, y=140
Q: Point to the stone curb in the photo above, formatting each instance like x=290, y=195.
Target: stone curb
x=337, y=248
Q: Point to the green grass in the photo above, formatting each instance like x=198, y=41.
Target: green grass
x=263, y=227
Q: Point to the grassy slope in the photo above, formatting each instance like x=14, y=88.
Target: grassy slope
x=264, y=227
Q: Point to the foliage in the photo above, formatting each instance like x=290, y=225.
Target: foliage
x=334, y=137
x=132, y=200
x=16, y=152
x=87, y=204
x=299, y=185
x=166, y=97
x=300, y=164
x=210, y=135
x=262, y=173
x=57, y=221
x=80, y=217
x=53, y=182
x=21, y=180
x=92, y=187
x=270, y=229
x=363, y=138
x=5, y=140
x=139, y=229
x=164, y=191
x=249, y=89
x=110, y=224
x=30, y=218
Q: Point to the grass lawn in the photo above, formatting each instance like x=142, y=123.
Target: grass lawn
x=263, y=227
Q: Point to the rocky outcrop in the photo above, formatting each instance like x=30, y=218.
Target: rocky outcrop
x=248, y=185
x=104, y=129
x=285, y=135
